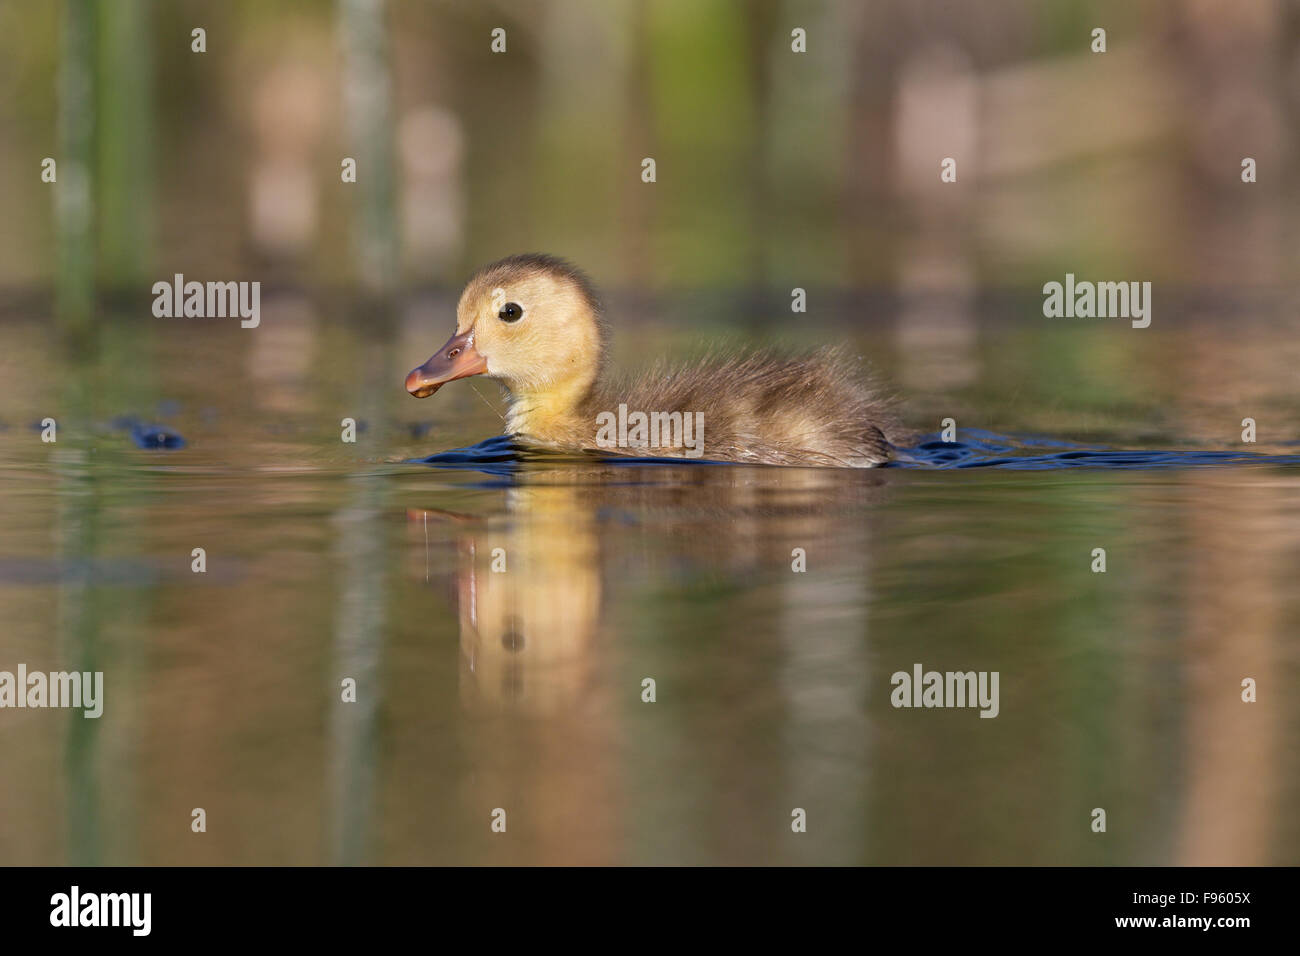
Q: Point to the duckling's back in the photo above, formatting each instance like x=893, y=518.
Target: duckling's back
x=768, y=408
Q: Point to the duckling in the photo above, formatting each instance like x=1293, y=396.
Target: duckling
x=534, y=323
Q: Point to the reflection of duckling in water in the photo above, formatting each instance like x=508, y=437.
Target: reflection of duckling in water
x=529, y=605
x=533, y=323
x=530, y=582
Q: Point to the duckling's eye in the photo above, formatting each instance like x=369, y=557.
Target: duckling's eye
x=511, y=312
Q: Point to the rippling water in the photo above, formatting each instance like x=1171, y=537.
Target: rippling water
x=500, y=611
x=978, y=449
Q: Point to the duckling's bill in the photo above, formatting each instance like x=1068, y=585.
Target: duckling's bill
x=456, y=359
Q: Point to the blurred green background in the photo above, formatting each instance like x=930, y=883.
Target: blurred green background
x=775, y=169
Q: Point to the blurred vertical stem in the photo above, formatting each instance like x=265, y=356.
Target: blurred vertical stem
x=76, y=523
x=360, y=613
x=74, y=207
x=637, y=207
x=124, y=143
x=367, y=91
x=761, y=22
x=359, y=623
x=77, y=533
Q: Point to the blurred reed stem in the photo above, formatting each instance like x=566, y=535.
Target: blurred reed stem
x=74, y=206
x=125, y=144
x=367, y=92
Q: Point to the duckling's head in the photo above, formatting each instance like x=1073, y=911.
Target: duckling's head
x=532, y=322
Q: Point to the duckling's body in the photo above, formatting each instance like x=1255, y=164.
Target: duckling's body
x=533, y=323
x=759, y=408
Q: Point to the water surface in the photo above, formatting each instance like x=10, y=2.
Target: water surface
x=521, y=689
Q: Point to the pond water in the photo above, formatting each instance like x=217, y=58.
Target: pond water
x=500, y=612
